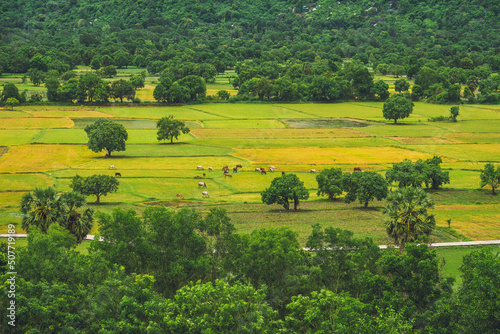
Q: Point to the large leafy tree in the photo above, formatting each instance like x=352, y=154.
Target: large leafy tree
x=10, y=90
x=330, y=182
x=96, y=185
x=170, y=128
x=122, y=89
x=106, y=135
x=408, y=215
x=284, y=189
x=397, y=107
x=91, y=87
x=364, y=186
x=490, y=177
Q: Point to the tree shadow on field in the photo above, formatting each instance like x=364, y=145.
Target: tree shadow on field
x=172, y=144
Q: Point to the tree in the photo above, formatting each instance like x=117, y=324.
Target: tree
x=137, y=81
x=41, y=208
x=283, y=189
x=381, y=89
x=364, y=186
x=106, y=135
x=490, y=177
x=36, y=76
x=96, y=185
x=408, y=216
x=196, y=86
x=52, y=85
x=122, y=88
x=434, y=176
x=406, y=173
x=91, y=86
x=169, y=128
x=454, y=113
x=75, y=216
x=330, y=182
x=10, y=90
x=397, y=107
x=109, y=71
x=223, y=94
x=12, y=102
x=95, y=64
x=401, y=85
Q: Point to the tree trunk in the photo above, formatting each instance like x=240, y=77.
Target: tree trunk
x=366, y=204
x=98, y=199
x=395, y=121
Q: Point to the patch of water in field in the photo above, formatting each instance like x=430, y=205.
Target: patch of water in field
x=325, y=123
x=81, y=123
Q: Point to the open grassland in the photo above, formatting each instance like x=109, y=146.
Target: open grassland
x=293, y=137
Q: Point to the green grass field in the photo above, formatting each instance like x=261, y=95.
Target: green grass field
x=46, y=145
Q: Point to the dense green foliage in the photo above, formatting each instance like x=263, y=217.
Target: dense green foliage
x=161, y=273
x=414, y=174
x=284, y=189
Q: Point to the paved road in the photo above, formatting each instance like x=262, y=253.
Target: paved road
x=437, y=244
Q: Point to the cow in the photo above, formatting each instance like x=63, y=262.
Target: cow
x=112, y=167
x=204, y=175
x=257, y=169
x=199, y=167
x=262, y=171
x=239, y=166
x=235, y=170
x=205, y=194
x=313, y=171
x=225, y=167
x=210, y=169
x=197, y=177
x=202, y=184
x=227, y=175
x=282, y=173
x=271, y=169
x=180, y=196
x=357, y=169
x=118, y=174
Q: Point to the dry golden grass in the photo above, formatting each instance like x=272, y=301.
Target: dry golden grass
x=479, y=222
x=328, y=156
x=422, y=140
x=38, y=158
x=76, y=113
x=36, y=123
x=276, y=133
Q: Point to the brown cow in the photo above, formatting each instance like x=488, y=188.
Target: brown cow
x=197, y=177
x=225, y=167
x=262, y=171
x=235, y=170
x=180, y=196
x=282, y=173
x=227, y=175
x=239, y=166
x=357, y=169
x=204, y=174
x=118, y=174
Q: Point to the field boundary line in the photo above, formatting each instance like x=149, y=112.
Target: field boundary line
x=299, y=111
x=209, y=113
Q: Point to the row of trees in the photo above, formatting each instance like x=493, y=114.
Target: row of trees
x=167, y=271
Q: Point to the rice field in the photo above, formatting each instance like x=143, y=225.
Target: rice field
x=44, y=145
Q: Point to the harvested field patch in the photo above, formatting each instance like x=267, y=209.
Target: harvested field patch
x=27, y=182
x=469, y=152
x=479, y=126
x=37, y=158
x=3, y=150
x=251, y=111
x=36, y=123
x=479, y=222
x=70, y=113
x=475, y=138
x=174, y=150
x=329, y=155
x=405, y=130
x=81, y=123
x=12, y=114
x=244, y=124
x=276, y=133
x=18, y=137
x=422, y=140
x=334, y=123
x=157, y=112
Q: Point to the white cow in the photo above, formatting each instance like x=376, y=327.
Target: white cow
x=210, y=169
x=112, y=167
x=199, y=167
x=313, y=171
x=202, y=184
x=257, y=169
x=205, y=194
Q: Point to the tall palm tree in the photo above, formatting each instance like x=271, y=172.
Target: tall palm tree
x=409, y=219
x=41, y=208
x=75, y=216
